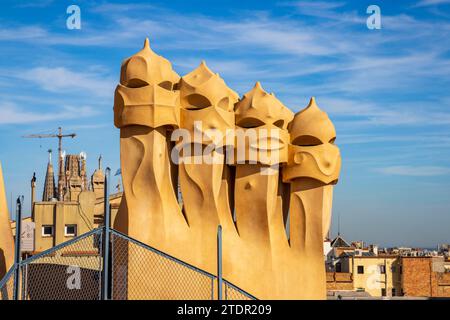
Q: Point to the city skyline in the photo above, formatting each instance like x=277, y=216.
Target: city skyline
x=387, y=91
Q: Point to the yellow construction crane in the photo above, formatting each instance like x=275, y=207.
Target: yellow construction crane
x=59, y=135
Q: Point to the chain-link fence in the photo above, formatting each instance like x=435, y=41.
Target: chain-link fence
x=71, y=271
x=74, y=271
x=106, y=264
x=7, y=286
x=234, y=293
x=142, y=272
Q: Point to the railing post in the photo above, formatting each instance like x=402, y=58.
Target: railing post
x=219, y=263
x=17, y=247
x=24, y=270
x=106, y=238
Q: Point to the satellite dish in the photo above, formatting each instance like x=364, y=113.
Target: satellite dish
x=83, y=155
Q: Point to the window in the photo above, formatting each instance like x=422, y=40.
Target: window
x=360, y=269
x=393, y=292
x=383, y=292
x=47, y=231
x=70, y=230
x=338, y=267
x=394, y=269
x=382, y=269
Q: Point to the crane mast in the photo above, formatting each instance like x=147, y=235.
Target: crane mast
x=60, y=136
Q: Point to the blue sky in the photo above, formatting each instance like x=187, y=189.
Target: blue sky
x=387, y=91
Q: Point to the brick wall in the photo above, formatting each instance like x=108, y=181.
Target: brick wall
x=416, y=276
x=441, y=284
x=419, y=279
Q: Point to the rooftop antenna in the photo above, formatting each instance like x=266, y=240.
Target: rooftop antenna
x=118, y=185
x=59, y=135
x=10, y=205
x=339, y=223
x=100, y=162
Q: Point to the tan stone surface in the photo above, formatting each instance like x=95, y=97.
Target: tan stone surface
x=339, y=281
x=6, y=237
x=258, y=256
x=59, y=214
x=313, y=156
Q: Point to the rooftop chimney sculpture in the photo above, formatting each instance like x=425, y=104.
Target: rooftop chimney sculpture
x=249, y=165
x=6, y=236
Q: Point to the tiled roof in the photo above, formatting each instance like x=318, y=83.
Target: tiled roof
x=340, y=242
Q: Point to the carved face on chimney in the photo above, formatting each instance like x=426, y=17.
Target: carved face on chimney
x=263, y=120
x=207, y=106
x=146, y=94
x=312, y=153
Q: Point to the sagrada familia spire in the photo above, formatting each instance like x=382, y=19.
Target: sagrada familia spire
x=256, y=187
x=49, y=184
x=73, y=180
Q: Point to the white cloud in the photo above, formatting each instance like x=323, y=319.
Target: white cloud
x=415, y=171
x=326, y=10
x=113, y=8
x=318, y=5
x=438, y=140
x=353, y=65
x=23, y=33
x=61, y=79
x=35, y=4
x=13, y=114
x=362, y=114
x=427, y=3
x=87, y=126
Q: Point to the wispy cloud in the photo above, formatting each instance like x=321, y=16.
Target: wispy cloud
x=362, y=113
x=87, y=126
x=23, y=33
x=114, y=8
x=280, y=51
x=386, y=90
x=428, y=3
x=35, y=4
x=13, y=114
x=327, y=10
x=443, y=139
x=415, y=171
x=317, y=5
x=61, y=79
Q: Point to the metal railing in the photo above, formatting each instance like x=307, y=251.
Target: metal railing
x=234, y=293
x=69, y=271
x=7, y=285
x=109, y=265
x=142, y=272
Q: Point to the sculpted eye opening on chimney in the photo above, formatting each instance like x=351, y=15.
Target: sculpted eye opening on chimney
x=136, y=83
x=166, y=85
x=197, y=101
x=279, y=123
x=306, y=141
x=250, y=123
